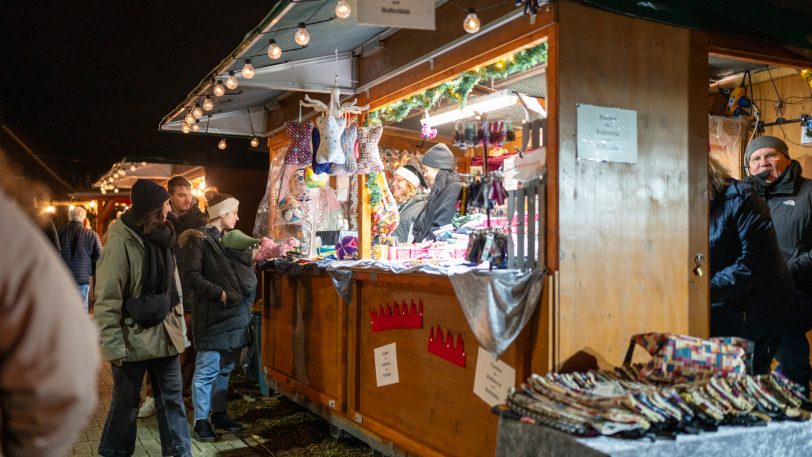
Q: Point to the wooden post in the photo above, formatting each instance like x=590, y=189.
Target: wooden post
x=364, y=220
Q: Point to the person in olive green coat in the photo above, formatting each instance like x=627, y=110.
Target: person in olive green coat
x=140, y=320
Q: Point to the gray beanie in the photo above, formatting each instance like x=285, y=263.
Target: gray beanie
x=439, y=156
x=765, y=142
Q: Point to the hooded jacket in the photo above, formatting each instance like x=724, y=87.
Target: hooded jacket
x=752, y=294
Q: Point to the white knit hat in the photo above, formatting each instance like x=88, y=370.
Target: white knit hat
x=223, y=208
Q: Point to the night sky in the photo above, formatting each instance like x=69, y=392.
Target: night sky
x=88, y=81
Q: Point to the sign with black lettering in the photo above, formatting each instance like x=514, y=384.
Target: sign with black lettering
x=606, y=134
x=493, y=378
x=386, y=365
x=402, y=14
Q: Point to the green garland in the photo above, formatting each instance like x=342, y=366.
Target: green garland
x=458, y=89
x=375, y=194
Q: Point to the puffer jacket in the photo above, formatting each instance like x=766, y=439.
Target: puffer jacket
x=752, y=293
x=409, y=212
x=208, y=271
x=191, y=219
x=118, y=277
x=80, y=248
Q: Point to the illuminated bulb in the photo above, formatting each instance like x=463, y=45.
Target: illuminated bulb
x=471, y=23
x=231, y=81
x=92, y=204
x=274, y=51
x=143, y=164
x=222, y=144
x=342, y=9
x=254, y=142
x=196, y=126
x=248, y=69
x=219, y=90
x=122, y=172
x=197, y=111
x=103, y=190
x=185, y=128
x=71, y=207
x=189, y=119
x=133, y=167
x=208, y=105
x=115, y=190
x=302, y=36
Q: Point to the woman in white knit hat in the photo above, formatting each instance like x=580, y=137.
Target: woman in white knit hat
x=221, y=315
x=411, y=193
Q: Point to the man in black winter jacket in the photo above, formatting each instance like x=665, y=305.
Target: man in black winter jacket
x=80, y=249
x=777, y=178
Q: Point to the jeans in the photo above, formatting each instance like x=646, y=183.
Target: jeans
x=119, y=434
x=793, y=355
x=210, y=382
x=84, y=291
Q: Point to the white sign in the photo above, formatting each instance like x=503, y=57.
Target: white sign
x=493, y=378
x=607, y=134
x=402, y=14
x=386, y=365
x=509, y=181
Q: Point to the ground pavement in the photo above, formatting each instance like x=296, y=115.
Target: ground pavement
x=149, y=443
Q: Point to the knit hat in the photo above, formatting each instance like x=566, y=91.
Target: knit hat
x=222, y=208
x=765, y=142
x=147, y=196
x=412, y=175
x=439, y=156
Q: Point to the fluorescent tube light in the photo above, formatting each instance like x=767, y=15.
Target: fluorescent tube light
x=481, y=105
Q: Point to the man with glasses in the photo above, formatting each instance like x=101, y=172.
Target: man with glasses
x=777, y=178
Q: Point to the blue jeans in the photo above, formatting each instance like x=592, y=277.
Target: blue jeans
x=118, y=437
x=210, y=382
x=84, y=292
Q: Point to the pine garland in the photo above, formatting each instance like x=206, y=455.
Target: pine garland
x=375, y=194
x=458, y=89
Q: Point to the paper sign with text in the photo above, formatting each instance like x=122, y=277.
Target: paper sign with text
x=493, y=378
x=606, y=134
x=386, y=365
x=403, y=14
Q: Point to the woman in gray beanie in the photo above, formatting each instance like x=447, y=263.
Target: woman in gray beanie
x=439, y=172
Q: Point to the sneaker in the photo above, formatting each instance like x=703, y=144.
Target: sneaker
x=147, y=409
x=204, y=432
x=221, y=420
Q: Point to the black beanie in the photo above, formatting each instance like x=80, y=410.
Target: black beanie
x=147, y=196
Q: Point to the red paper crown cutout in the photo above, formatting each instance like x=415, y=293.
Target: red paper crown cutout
x=443, y=348
x=395, y=316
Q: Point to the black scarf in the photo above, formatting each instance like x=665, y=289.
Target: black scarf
x=785, y=184
x=159, y=260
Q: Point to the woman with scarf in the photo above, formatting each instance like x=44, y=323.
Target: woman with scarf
x=409, y=189
x=140, y=321
x=221, y=314
x=439, y=172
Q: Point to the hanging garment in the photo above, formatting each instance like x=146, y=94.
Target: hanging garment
x=299, y=152
x=348, y=139
x=369, y=160
x=318, y=167
x=330, y=130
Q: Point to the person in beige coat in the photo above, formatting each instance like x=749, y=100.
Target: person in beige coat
x=141, y=325
x=49, y=359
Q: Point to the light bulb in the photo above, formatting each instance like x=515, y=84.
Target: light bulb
x=189, y=119
x=196, y=126
x=471, y=23
x=342, y=9
x=219, y=90
x=231, y=81
x=185, y=128
x=254, y=142
x=302, y=36
x=115, y=190
x=197, y=111
x=122, y=172
x=274, y=51
x=248, y=69
x=103, y=190
x=208, y=105
x=222, y=144
x=133, y=167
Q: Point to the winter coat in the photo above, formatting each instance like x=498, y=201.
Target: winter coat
x=409, y=212
x=48, y=355
x=118, y=277
x=442, y=213
x=752, y=294
x=80, y=248
x=208, y=271
x=191, y=219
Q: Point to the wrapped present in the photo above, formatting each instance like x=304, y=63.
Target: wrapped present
x=347, y=248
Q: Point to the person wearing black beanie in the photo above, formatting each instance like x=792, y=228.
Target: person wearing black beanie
x=147, y=196
x=439, y=171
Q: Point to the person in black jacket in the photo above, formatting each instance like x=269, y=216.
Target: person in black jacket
x=752, y=295
x=221, y=315
x=439, y=172
x=777, y=178
x=80, y=249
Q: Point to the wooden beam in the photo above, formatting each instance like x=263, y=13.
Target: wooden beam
x=364, y=220
x=550, y=141
x=759, y=51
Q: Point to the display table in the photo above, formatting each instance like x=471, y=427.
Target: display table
x=786, y=439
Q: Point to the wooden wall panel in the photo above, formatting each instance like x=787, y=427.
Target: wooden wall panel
x=625, y=229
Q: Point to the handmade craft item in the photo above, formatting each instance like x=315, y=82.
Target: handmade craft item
x=269, y=249
x=394, y=316
x=369, y=157
x=299, y=152
x=331, y=125
x=348, y=142
x=347, y=248
x=445, y=347
x=290, y=207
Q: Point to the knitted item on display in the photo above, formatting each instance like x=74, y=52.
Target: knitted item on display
x=348, y=140
x=299, y=152
x=330, y=130
x=369, y=160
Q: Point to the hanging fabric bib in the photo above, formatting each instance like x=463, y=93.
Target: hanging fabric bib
x=369, y=159
x=299, y=151
x=348, y=139
x=330, y=130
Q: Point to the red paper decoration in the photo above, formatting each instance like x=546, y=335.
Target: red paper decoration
x=441, y=347
x=395, y=316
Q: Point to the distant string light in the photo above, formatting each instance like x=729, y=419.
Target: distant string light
x=208, y=105
x=302, y=36
x=231, y=81
x=248, y=69
x=185, y=128
x=274, y=50
x=222, y=144
x=471, y=23
x=197, y=111
x=254, y=142
x=219, y=90
x=343, y=10
x=196, y=126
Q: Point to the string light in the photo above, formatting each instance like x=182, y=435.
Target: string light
x=197, y=111
x=254, y=142
x=189, y=119
x=115, y=190
x=208, y=105
x=302, y=36
x=196, y=126
x=248, y=69
x=274, y=51
x=219, y=90
x=471, y=23
x=231, y=81
x=343, y=9
x=133, y=167
x=185, y=128
x=222, y=144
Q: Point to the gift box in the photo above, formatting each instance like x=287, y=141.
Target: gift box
x=402, y=252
